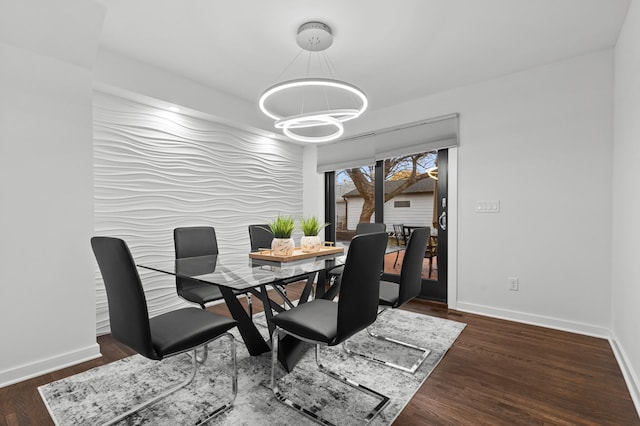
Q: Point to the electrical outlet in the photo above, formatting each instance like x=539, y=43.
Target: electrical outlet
x=514, y=285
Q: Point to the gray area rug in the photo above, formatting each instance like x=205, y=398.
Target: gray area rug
x=95, y=396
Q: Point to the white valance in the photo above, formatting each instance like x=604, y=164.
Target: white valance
x=362, y=150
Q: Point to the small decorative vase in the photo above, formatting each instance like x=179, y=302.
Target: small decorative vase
x=310, y=243
x=282, y=246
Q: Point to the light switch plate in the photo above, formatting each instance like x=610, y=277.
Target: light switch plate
x=488, y=206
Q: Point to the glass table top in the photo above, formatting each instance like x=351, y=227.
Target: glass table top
x=240, y=272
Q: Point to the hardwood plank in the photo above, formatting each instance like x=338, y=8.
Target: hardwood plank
x=501, y=372
x=496, y=373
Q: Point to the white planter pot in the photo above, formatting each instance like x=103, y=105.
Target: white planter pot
x=282, y=246
x=310, y=244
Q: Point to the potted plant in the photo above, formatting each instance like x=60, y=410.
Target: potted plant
x=311, y=227
x=282, y=228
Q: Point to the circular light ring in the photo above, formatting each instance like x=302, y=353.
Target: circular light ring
x=302, y=82
x=327, y=121
x=314, y=119
x=433, y=172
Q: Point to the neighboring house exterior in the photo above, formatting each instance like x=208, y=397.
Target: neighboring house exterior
x=341, y=204
x=414, y=206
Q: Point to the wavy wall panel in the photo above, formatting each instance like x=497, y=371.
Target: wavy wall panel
x=155, y=170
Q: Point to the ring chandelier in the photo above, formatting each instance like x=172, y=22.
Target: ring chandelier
x=314, y=37
x=433, y=172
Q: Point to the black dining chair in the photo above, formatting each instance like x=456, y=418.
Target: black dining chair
x=334, y=274
x=193, y=241
x=162, y=336
x=402, y=289
x=260, y=238
x=327, y=323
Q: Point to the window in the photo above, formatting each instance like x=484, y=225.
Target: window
x=355, y=200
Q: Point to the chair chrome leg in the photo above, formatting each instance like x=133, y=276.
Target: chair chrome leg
x=205, y=354
x=234, y=383
x=384, y=400
x=412, y=369
x=181, y=385
x=282, y=292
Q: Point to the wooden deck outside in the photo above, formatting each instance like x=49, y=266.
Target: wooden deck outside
x=390, y=258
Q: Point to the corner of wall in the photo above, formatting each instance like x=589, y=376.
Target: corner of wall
x=629, y=374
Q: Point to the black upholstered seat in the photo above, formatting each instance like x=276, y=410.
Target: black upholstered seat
x=316, y=320
x=328, y=323
x=193, y=241
x=184, y=329
x=402, y=289
x=388, y=293
x=396, y=290
x=163, y=335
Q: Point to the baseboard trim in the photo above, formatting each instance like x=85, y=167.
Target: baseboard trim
x=630, y=376
x=532, y=319
x=47, y=365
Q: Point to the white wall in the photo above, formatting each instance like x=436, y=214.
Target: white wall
x=313, y=186
x=156, y=170
x=135, y=78
x=47, y=298
x=626, y=203
x=540, y=141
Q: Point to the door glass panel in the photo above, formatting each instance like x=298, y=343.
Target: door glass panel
x=355, y=200
x=410, y=202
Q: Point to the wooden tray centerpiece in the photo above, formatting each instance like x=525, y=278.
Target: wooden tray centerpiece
x=298, y=254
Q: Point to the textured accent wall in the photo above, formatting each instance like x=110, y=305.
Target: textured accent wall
x=155, y=170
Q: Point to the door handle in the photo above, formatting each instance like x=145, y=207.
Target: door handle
x=442, y=221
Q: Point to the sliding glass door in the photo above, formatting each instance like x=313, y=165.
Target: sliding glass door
x=404, y=193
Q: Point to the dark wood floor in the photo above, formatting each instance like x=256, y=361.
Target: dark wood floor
x=496, y=373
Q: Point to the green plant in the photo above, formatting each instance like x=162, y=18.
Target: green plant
x=282, y=226
x=311, y=226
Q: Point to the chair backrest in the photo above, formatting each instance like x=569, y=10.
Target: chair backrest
x=128, y=313
x=411, y=272
x=370, y=228
x=360, y=284
x=192, y=241
x=260, y=237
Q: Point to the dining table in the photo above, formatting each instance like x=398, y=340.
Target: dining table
x=235, y=272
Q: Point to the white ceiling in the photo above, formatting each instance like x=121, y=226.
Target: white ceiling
x=393, y=50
